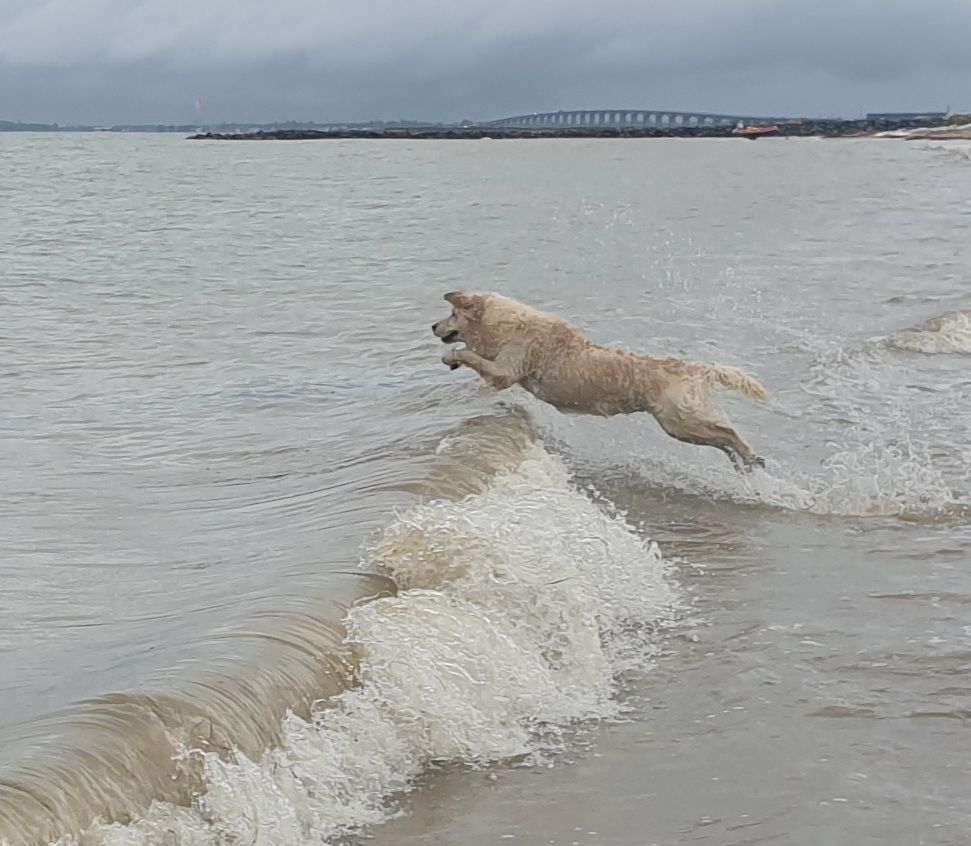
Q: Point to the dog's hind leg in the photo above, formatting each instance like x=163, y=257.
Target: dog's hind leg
x=724, y=444
x=729, y=441
x=706, y=433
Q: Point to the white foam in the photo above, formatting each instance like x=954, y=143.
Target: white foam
x=939, y=133
x=948, y=334
x=518, y=607
x=872, y=479
x=869, y=480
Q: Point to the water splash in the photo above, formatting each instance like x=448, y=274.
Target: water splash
x=948, y=334
x=518, y=607
x=867, y=481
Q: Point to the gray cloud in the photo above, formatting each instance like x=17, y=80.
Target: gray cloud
x=147, y=60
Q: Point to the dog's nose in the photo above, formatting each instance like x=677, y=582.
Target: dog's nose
x=434, y=326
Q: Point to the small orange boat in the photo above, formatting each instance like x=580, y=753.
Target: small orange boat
x=754, y=132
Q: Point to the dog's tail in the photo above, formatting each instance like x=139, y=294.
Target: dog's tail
x=737, y=380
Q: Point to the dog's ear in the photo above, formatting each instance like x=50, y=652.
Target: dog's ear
x=469, y=304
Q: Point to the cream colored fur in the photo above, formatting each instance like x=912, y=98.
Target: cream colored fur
x=508, y=343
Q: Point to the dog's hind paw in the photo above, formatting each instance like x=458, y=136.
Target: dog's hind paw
x=748, y=465
x=754, y=463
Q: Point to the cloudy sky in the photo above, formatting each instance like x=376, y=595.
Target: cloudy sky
x=112, y=61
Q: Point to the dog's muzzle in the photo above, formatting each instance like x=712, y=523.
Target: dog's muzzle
x=449, y=338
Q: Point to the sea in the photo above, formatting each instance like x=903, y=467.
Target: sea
x=272, y=575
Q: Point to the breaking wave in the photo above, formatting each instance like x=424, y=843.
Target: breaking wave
x=516, y=608
x=948, y=334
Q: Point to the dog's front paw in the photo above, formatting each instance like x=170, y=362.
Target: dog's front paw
x=451, y=359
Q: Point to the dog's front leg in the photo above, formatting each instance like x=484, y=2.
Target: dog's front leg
x=494, y=372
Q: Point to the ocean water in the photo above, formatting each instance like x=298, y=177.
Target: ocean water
x=274, y=575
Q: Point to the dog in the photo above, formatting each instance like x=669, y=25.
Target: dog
x=508, y=343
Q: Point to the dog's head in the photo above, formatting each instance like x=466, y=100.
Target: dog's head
x=461, y=324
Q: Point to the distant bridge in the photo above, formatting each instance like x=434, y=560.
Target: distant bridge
x=629, y=118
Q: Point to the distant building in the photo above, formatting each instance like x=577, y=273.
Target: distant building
x=906, y=115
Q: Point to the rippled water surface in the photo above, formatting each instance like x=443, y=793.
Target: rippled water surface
x=224, y=427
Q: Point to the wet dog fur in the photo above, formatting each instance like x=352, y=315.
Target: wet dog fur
x=508, y=343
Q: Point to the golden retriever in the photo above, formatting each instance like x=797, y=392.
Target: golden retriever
x=508, y=343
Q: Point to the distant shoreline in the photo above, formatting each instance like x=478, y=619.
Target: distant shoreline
x=911, y=127
x=802, y=129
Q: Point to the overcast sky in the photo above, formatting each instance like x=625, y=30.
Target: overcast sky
x=113, y=61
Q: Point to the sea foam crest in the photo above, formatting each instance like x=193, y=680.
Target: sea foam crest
x=518, y=607
x=948, y=334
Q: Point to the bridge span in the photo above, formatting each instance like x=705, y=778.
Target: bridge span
x=628, y=118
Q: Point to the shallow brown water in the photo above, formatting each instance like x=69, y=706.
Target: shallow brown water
x=222, y=406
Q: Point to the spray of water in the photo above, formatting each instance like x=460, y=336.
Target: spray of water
x=518, y=607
